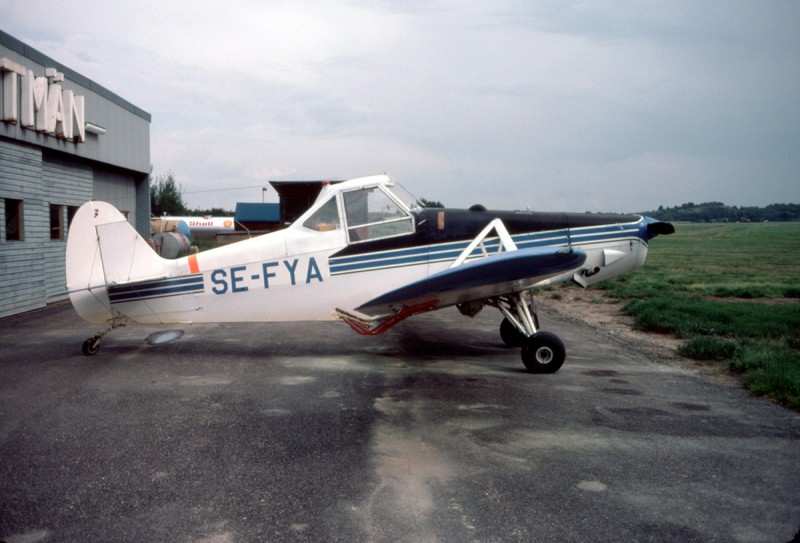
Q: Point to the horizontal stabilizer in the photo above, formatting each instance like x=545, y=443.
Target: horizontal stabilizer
x=494, y=275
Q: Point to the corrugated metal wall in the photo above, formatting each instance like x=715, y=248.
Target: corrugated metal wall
x=21, y=286
x=68, y=184
x=32, y=269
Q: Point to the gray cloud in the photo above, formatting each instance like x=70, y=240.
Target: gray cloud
x=587, y=106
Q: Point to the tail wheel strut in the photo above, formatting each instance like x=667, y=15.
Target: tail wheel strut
x=92, y=345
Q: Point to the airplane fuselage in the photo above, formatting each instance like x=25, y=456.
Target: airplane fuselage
x=366, y=253
x=300, y=274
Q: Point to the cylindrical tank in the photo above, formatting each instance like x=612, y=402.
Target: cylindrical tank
x=171, y=244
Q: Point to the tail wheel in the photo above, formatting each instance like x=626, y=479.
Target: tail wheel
x=543, y=352
x=91, y=346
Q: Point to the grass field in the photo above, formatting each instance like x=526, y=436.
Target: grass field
x=732, y=291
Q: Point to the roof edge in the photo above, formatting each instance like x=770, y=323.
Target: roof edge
x=37, y=56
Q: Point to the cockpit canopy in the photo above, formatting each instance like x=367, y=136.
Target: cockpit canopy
x=366, y=210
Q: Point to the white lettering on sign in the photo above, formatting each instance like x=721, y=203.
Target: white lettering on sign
x=40, y=103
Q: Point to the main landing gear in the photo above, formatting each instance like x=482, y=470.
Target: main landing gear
x=542, y=352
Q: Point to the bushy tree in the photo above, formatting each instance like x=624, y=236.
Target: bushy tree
x=430, y=203
x=165, y=196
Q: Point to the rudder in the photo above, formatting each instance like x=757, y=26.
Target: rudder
x=104, y=249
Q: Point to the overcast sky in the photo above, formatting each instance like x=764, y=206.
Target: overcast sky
x=549, y=105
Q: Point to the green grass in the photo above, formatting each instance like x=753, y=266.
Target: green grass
x=731, y=291
x=686, y=317
x=725, y=260
x=709, y=348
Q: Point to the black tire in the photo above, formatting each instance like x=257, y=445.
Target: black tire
x=91, y=346
x=510, y=335
x=543, y=352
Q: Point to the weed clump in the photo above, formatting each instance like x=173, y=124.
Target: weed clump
x=791, y=292
x=770, y=370
x=767, y=368
x=708, y=348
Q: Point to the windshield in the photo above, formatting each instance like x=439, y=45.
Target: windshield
x=372, y=214
x=403, y=195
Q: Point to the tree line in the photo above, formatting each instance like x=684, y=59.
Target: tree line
x=719, y=212
x=166, y=199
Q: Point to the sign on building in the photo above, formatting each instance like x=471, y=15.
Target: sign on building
x=40, y=103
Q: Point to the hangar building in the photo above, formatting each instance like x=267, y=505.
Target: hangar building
x=64, y=140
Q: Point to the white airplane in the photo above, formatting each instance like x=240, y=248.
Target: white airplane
x=365, y=253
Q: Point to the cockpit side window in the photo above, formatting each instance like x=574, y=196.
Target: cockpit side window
x=326, y=218
x=372, y=214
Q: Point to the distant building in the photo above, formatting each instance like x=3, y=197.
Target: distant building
x=296, y=197
x=259, y=218
x=64, y=139
x=254, y=217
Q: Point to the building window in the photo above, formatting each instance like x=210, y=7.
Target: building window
x=56, y=222
x=13, y=219
x=71, y=211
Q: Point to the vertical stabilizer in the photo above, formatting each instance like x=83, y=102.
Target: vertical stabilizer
x=104, y=249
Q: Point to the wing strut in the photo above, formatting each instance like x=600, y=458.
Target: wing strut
x=427, y=294
x=505, y=242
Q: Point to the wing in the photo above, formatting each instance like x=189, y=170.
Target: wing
x=494, y=275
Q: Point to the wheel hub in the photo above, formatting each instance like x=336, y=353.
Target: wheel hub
x=544, y=355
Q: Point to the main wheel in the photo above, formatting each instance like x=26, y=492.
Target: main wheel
x=543, y=352
x=91, y=346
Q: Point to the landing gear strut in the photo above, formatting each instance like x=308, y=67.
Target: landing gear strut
x=542, y=352
x=92, y=345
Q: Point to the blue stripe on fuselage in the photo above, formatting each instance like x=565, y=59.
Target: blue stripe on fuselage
x=443, y=252
x=155, y=289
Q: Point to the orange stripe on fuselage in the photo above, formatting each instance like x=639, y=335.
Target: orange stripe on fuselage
x=193, y=266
